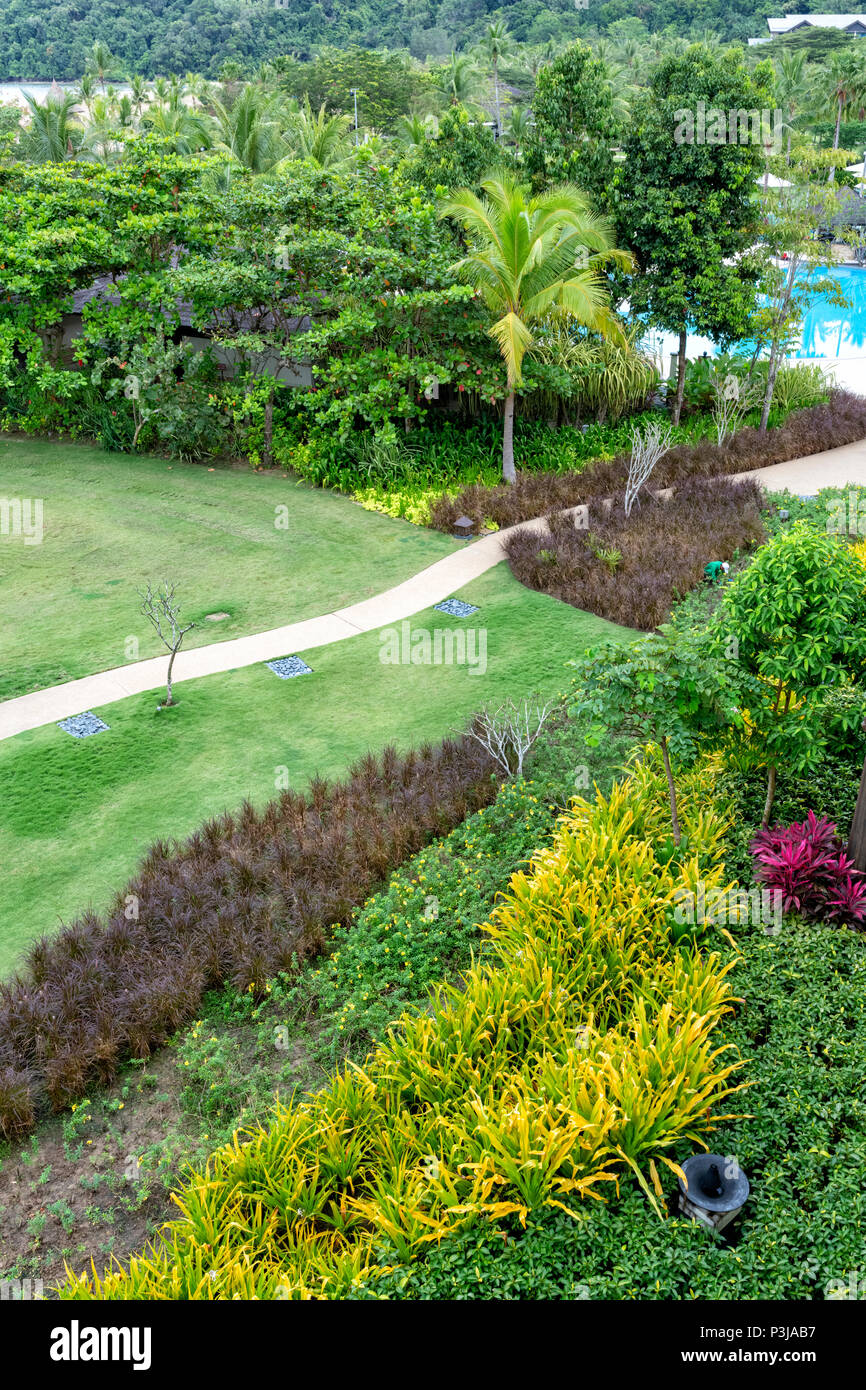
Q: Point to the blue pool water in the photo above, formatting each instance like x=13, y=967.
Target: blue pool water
x=829, y=331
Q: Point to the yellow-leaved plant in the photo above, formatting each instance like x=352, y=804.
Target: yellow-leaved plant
x=578, y=1051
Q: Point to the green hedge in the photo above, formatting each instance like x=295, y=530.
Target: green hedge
x=803, y=1031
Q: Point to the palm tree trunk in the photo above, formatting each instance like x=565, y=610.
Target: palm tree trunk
x=508, y=471
x=496, y=93
x=836, y=137
x=681, y=377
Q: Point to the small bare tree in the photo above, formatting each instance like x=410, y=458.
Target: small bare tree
x=647, y=448
x=733, y=397
x=509, y=732
x=160, y=606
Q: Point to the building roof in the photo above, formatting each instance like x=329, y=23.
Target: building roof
x=815, y=21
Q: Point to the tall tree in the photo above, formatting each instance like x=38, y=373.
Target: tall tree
x=686, y=198
x=793, y=88
x=531, y=259
x=575, y=127
x=846, y=84
x=495, y=46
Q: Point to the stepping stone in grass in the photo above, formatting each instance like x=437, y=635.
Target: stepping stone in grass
x=456, y=607
x=288, y=666
x=82, y=725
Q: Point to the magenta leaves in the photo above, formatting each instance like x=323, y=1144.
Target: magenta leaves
x=806, y=863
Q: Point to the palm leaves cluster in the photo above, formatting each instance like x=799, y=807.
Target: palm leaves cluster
x=534, y=261
x=255, y=125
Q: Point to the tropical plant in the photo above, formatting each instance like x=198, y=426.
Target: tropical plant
x=666, y=688
x=528, y=259
x=794, y=91
x=415, y=130
x=495, y=46
x=321, y=138
x=51, y=135
x=248, y=129
x=457, y=81
x=612, y=376
x=579, y=1049
x=101, y=61
x=519, y=126
x=846, y=84
x=805, y=863
x=183, y=129
x=687, y=209
x=793, y=625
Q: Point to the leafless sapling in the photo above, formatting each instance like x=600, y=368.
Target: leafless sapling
x=509, y=731
x=647, y=447
x=162, y=609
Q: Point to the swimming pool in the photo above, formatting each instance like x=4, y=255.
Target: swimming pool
x=829, y=331
x=828, y=335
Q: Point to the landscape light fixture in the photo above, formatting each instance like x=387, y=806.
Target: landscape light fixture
x=715, y=1190
x=463, y=527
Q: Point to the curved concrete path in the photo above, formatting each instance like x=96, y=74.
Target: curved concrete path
x=439, y=581
x=833, y=468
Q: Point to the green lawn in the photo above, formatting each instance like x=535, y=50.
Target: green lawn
x=112, y=523
x=76, y=815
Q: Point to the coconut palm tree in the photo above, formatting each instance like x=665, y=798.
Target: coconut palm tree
x=531, y=259
x=414, y=131
x=100, y=60
x=51, y=137
x=629, y=53
x=793, y=89
x=187, y=130
x=86, y=91
x=520, y=123
x=496, y=45
x=249, y=130
x=846, y=84
x=321, y=138
x=457, y=80
x=100, y=139
x=138, y=93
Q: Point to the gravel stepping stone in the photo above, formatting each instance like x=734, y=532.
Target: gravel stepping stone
x=288, y=666
x=82, y=725
x=456, y=607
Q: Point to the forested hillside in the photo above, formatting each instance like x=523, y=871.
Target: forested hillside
x=44, y=39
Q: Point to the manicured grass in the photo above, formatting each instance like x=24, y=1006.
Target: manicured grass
x=77, y=815
x=112, y=523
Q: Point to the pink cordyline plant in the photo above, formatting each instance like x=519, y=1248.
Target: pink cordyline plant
x=806, y=863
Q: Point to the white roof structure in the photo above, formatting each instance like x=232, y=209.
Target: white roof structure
x=854, y=22
x=771, y=181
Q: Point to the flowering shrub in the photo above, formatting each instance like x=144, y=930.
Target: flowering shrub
x=806, y=863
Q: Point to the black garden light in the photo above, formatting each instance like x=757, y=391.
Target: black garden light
x=463, y=527
x=715, y=1190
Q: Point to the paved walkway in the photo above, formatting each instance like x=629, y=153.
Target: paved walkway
x=439, y=581
x=833, y=468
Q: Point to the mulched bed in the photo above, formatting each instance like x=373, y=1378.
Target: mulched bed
x=631, y=570
x=841, y=421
